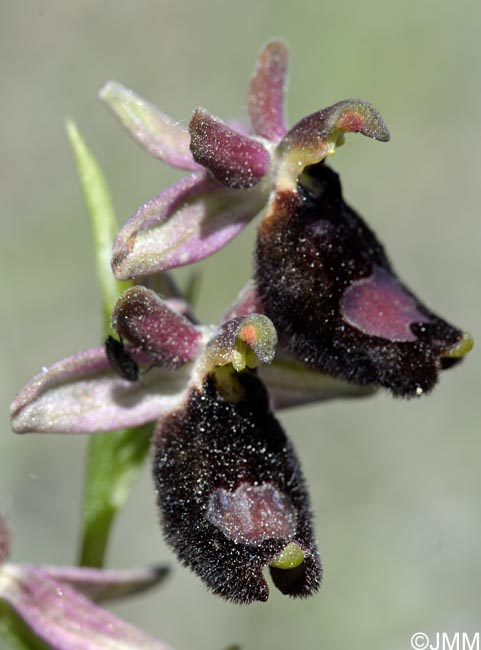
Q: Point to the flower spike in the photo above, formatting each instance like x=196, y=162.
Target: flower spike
x=231, y=493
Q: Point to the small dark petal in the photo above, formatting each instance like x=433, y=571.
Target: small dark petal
x=231, y=492
x=325, y=281
x=167, y=337
x=234, y=159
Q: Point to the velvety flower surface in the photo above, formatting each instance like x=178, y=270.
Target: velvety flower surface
x=231, y=492
x=320, y=274
x=57, y=604
x=325, y=280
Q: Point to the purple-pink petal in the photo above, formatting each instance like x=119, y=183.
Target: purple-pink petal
x=65, y=619
x=156, y=132
x=188, y=222
x=234, y=159
x=266, y=92
x=100, y=585
x=82, y=394
x=165, y=336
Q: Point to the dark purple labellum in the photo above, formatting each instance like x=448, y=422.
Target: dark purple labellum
x=121, y=360
x=231, y=493
x=325, y=281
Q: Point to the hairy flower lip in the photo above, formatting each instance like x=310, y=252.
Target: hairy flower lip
x=218, y=346
x=291, y=382
x=219, y=350
x=326, y=282
x=220, y=465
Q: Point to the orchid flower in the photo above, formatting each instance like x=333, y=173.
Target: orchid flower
x=57, y=607
x=320, y=274
x=229, y=484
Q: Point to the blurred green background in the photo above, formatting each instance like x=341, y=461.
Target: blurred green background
x=396, y=485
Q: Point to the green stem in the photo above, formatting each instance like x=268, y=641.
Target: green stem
x=113, y=459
